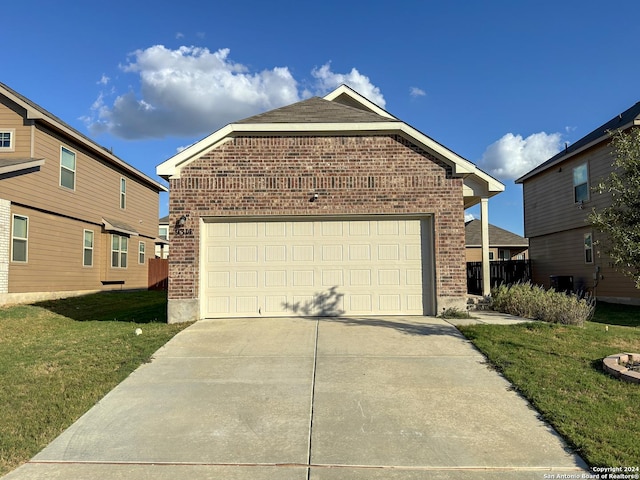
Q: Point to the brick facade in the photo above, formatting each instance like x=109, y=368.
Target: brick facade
x=276, y=176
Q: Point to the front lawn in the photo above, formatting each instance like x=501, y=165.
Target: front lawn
x=58, y=358
x=558, y=368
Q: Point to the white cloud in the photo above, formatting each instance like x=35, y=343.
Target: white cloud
x=192, y=91
x=512, y=156
x=328, y=80
x=104, y=80
x=417, y=92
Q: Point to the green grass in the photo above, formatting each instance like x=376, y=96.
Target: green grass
x=58, y=358
x=558, y=369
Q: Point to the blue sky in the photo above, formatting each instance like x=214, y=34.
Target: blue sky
x=505, y=84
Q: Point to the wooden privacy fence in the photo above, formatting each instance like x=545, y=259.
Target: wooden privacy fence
x=501, y=271
x=158, y=274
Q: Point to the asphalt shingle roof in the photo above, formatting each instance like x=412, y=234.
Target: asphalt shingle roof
x=317, y=110
x=615, y=123
x=498, y=237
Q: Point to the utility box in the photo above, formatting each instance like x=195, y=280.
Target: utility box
x=562, y=283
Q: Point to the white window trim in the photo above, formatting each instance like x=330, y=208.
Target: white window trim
x=26, y=239
x=12, y=140
x=75, y=157
x=84, y=247
x=120, y=251
x=123, y=193
x=141, y=253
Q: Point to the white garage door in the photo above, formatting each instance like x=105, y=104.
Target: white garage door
x=318, y=268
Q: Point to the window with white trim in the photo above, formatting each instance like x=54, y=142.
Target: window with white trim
x=87, y=249
x=581, y=183
x=588, y=248
x=123, y=193
x=67, y=168
x=163, y=233
x=20, y=239
x=119, y=250
x=141, y=248
x=7, y=140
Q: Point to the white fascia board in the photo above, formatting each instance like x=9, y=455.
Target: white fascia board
x=22, y=166
x=171, y=167
x=168, y=168
x=368, y=104
x=460, y=165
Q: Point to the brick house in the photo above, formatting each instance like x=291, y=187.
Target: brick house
x=329, y=206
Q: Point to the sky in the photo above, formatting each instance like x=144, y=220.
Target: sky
x=504, y=84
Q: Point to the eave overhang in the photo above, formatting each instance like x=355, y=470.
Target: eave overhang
x=562, y=158
x=33, y=112
x=477, y=182
x=16, y=165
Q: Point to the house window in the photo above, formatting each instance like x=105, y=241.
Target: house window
x=68, y=169
x=141, y=252
x=123, y=193
x=119, y=249
x=163, y=233
x=588, y=248
x=6, y=140
x=581, y=183
x=504, y=254
x=19, y=239
x=87, y=249
x=490, y=255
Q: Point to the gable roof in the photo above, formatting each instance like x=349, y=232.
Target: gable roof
x=623, y=121
x=39, y=114
x=341, y=112
x=498, y=237
x=316, y=110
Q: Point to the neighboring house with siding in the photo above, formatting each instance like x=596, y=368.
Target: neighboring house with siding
x=162, y=246
x=329, y=206
x=503, y=244
x=558, y=198
x=74, y=217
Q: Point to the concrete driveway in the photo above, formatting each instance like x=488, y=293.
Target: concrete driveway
x=293, y=399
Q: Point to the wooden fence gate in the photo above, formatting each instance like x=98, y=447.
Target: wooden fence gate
x=158, y=274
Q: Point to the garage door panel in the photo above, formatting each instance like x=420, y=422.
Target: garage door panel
x=275, y=253
x=331, y=267
x=389, y=303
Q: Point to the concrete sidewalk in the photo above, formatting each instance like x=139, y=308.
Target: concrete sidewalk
x=278, y=398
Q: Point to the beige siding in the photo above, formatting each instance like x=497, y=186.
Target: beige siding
x=58, y=216
x=10, y=119
x=549, y=199
x=474, y=254
x=55, y=257
x=97, y=192
x=556, y=225
x=563, y=254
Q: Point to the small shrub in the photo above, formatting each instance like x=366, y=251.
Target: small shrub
x=533, y=301
x=454, y=312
